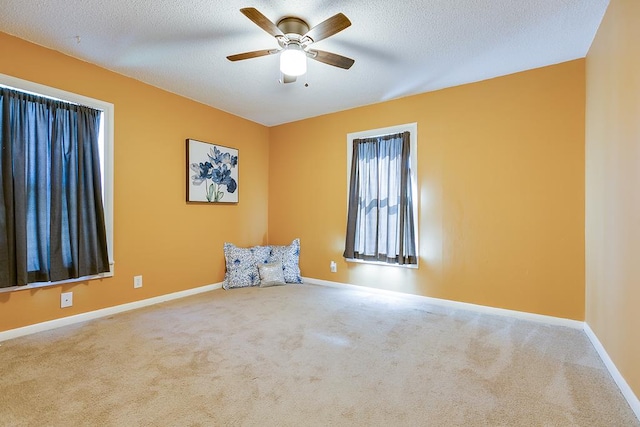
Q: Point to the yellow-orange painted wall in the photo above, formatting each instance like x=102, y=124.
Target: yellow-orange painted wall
x=174, y=246
x=612, y=187
x=501, y=191
x=501, y=176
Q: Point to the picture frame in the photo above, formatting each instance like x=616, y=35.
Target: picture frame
x=212, y=173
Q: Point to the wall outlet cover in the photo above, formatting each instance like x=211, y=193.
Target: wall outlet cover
x=66, y=299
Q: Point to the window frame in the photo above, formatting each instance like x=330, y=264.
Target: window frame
x=107, y=125
x=412, y=128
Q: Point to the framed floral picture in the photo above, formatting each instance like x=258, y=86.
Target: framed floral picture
x=212, y=173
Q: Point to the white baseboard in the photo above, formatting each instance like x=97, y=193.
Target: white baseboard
x=83, y=317
x=628, y=394
x=540, y=318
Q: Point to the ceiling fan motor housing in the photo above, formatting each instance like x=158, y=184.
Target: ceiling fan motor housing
x=290, y=25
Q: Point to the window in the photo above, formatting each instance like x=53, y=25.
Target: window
x=69, y=223
x=382, y=207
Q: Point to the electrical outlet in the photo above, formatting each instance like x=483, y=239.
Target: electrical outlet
x=333, y=266
x=137, y=281
x=66, y=299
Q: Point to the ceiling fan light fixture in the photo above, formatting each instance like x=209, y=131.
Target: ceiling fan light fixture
x=293, y=60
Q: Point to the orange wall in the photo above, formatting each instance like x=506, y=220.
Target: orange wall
x=501, y=178
x=501, y=183
x=612, y=182
x=174, y=246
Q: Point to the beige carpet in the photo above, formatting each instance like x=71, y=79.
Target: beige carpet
x=305, y=355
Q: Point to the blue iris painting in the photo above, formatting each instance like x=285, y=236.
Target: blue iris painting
x=215, y=173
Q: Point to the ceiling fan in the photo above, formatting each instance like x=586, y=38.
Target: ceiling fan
x=295, y=37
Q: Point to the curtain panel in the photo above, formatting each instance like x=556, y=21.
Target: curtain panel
x=52, y=223
x=380, y=223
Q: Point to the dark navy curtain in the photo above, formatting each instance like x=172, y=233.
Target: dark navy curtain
x=380, y=223
x=51, y=214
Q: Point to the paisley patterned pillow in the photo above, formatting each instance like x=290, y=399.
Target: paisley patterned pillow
x=242, y=265
x=290, y=257
x=261, y=254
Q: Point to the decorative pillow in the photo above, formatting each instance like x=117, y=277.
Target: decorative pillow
x=289, y=256
x=261, y=254
x=242, y=270
x=271, y=274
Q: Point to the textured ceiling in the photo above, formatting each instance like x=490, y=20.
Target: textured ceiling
x=400, y=47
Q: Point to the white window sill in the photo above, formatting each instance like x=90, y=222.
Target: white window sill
x=37, y=285
x=382, y=264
